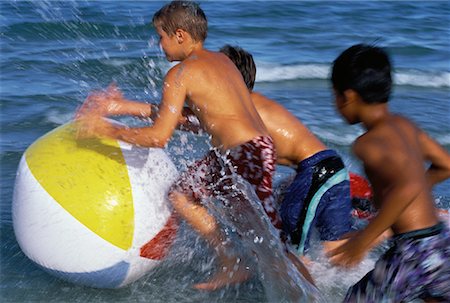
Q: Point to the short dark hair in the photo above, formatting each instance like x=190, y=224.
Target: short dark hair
x=366, y=69
x=185, y=15
x=243, y=61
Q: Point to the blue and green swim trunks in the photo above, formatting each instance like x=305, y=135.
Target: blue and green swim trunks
x=417, y=266
x=319, y=197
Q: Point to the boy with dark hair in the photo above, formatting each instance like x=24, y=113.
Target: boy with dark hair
x=319, y=196
x=393, y=151
x=225, y=110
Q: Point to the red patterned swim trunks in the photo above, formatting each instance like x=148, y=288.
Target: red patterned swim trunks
x=254, y=161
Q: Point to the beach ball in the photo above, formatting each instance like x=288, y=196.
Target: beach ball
x=93, y=211
x=361, y=196
x=360, y=187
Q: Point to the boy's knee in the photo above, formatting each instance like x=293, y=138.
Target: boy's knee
x=178, y=199
x=182, y=202
x=193, y=212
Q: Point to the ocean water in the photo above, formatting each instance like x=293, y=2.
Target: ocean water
x=53, y=53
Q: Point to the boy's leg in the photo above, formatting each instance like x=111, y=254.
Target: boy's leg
x=197, y=216
x=255, y=162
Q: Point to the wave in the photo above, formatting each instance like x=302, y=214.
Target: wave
x=424, y=79
x=276, y=73
x=344, y=137
x=444, y=140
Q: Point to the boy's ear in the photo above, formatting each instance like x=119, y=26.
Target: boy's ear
x=180, y=35
x=351, y=96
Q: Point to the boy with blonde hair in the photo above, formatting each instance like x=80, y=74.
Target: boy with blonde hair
x=222, y=104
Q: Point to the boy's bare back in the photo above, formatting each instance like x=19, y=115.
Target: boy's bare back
x=393, y=152
x=218, y=97
x=294, y=141
x=207, y=81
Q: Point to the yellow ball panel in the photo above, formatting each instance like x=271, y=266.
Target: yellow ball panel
x=88, y=178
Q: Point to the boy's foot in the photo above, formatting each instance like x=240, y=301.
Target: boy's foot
x=228, y=276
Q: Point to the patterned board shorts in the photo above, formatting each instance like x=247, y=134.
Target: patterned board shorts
x=254, y=161
x=417, y=266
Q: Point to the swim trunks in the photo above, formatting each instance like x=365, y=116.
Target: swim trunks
x=417, y=266
x=254, y=161
x=318, y=197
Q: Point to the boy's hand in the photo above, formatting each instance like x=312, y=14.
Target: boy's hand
x=111, y=102
x=102, y=103
x=93, y=127
x=94, y=105
x=349, y=254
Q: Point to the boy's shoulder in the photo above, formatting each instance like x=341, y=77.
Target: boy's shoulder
x=175, y=71
x=260, y=98
x=262, y=101
x=368, y=146
x=374, y=142
x=188, y=66
x=202, y=55
x=391, y=124
x=198, y=62
x=395, y=134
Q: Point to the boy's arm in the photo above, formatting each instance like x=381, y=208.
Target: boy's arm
x=165, y=123
x=354, y=250
x=401, y=192
x=112, y=103
x=439, y=169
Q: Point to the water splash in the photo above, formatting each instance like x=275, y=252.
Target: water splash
x=249, y=233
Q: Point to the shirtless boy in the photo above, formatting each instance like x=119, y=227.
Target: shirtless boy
x=302, y=207
x=393, y=151
x=226, y=112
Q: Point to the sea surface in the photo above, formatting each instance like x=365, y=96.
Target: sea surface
x=53, y=53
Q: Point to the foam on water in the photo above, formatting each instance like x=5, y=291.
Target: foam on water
x=334, y=281
x=274, y=72
x=53, y=116
x=425, y=79
x=305, y=71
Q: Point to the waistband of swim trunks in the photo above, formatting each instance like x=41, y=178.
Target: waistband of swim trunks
x=420, y=233
x=218, y=151
x=316, y=158
x=260, y=138
x=255, y=140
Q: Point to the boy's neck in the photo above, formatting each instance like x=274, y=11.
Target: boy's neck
x=373, y=115
x=193, y=48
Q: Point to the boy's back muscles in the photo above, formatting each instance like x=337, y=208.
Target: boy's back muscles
x=392, y=157
x=223, y=106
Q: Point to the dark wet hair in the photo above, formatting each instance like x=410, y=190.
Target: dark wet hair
x=366, y=69
x=185, y=15
x=243, y=61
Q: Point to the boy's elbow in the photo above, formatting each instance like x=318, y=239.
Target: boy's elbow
x=160, y=142
x=152, y=137
x=145, y=140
